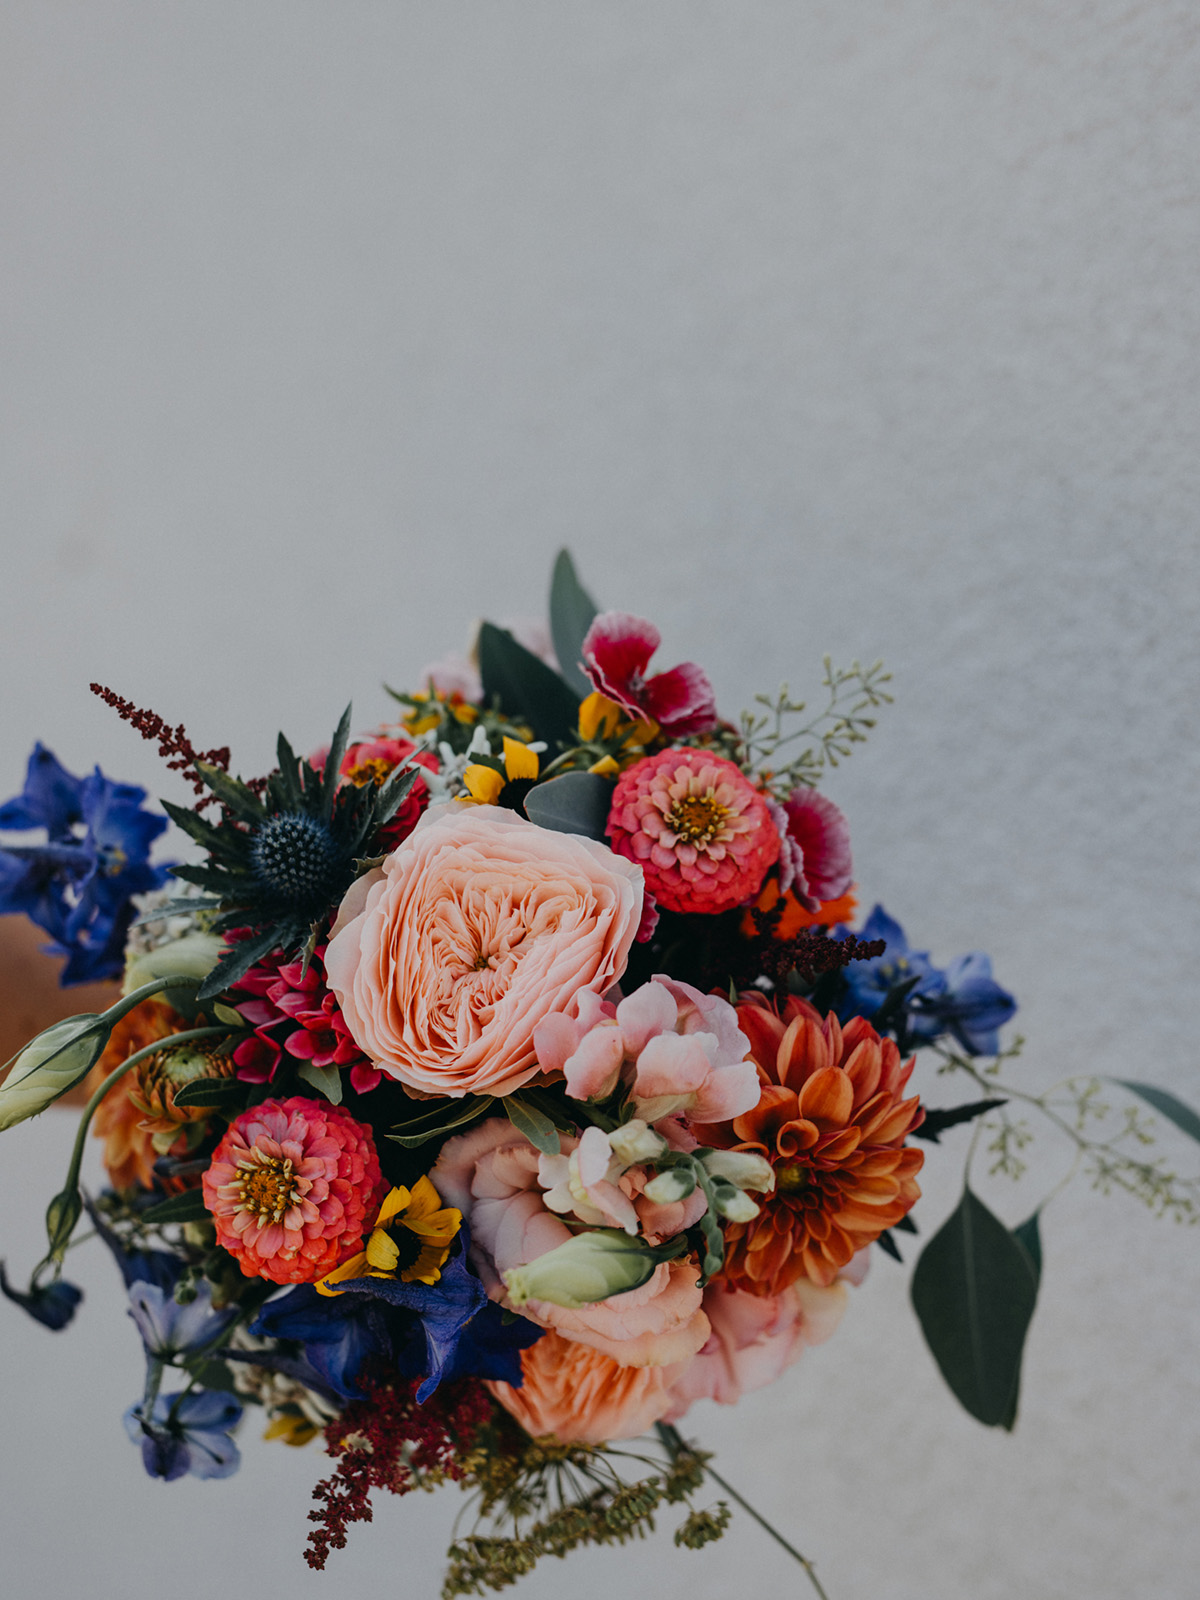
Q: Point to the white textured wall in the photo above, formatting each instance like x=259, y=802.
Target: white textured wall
x=809, y=326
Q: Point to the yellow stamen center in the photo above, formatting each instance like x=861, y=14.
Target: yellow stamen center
x=268, y=1187
x=790, y=1178
x=696, y=819
x=373, y=771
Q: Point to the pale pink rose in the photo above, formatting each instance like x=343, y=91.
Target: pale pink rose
x=446, y=958
x=682, y=1052
x=579, y=1396
x=491, y=1175
x=754, y=1339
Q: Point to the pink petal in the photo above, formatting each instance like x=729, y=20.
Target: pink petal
x=616, y=653
x=823, y=834
x=681, y=701
x=591, y=1072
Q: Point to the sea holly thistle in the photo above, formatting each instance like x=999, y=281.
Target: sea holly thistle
x=279, y=861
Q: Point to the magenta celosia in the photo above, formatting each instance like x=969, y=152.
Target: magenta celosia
x=699, y=830
x=293, y=1187
x=616, y=653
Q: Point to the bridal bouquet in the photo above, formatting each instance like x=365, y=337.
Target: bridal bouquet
x=496, y=1084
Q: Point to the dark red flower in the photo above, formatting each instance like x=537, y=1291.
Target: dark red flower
x=616, y=653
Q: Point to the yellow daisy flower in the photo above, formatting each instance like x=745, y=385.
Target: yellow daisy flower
x=411, y=1240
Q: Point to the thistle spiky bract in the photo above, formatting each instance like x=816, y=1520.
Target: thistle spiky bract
x=279, y=862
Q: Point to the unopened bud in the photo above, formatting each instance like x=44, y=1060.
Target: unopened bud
x=671, y=1186
x=589, y=1267
x=636, y=1142
x=740, y=1167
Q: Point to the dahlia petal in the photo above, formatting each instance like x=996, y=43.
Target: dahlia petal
x=827, y=1096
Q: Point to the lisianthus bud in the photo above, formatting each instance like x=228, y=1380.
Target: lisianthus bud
x=636, y=1142
x=589, y=1267
x=740, y=1167
x=194, y=955
x=50, y=1065
x=670, y=1186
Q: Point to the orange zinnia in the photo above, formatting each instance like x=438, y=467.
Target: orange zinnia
x=832, y=1123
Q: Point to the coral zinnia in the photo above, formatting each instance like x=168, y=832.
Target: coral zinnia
x=697, y=827
x=291, y=1187
x=832, y=1122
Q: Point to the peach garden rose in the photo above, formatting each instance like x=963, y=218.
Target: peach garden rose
x=445, y=959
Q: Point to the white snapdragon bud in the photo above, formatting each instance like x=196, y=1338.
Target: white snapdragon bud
x=735, y=1205
x=670, y=1187
x=740, y=1167
x=636, y=1143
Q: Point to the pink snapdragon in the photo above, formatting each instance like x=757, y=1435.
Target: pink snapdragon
x=681, y=1051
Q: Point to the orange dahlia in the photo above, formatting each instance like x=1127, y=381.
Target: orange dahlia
x=129, y=1153
x=832, y=1123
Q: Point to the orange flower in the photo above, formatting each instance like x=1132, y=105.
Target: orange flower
x=581, y=1396
x=129, y=1153
x=795, y=918
x=832, y=1122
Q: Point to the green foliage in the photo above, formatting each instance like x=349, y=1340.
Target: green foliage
x=521, y=685
x=534, y=1124
x=572, y=610
x=974, y=1291
x=764, y=740
x=186, y=1207
x=576, y=802
x=445, y=1117
x=1165, y=1104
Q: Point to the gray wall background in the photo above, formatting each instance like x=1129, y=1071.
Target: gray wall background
x=869, y=329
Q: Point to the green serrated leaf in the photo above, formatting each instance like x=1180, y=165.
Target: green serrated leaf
x=434, y=1124
x=572, y=611
x=331, y=775
x=576, y=802
x=187, y=1207
x=526, y=688
x=209, y=1092
x=534, y=1124
x=1165, y=1104
x=974, y=1290
x=326, y=1080
x=237, y=963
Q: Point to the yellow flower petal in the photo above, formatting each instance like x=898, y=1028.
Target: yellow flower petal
x=398, y=1200
x=519, y=760
x=483, y=784
x=599, y=717
x=424, y=1202
x=354, y=1268
x=382, y=1251
x=606, y=767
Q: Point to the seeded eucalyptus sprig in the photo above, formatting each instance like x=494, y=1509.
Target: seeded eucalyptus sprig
x=278, y=864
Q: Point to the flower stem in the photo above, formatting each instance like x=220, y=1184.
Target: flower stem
x=673, y=1441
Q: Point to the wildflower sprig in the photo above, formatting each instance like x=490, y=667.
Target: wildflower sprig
x=764, y=740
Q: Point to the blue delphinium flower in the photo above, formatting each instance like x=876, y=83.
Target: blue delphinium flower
x=79, y=884
x=54, y=1306
x=169, y=1329
x=187, y=1433
x=961, y=999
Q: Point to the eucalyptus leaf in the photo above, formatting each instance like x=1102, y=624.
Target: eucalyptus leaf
x=186, y=1207
x=527, y=690
x=974, y=1290
x=572, y=611
x=325, y=1080
x=576, y=802
x=534, y=1124
x=1028, y=1234
x=1165, y=1104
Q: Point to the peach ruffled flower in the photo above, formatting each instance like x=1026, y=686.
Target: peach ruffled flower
x=491, y=1174
x=291, y=1188
x=129, y=1153
x=682, y=1052
x=832, y=1121
x=697, y=826
x=581, y=1396
x=754, y=1339
x=445, y=959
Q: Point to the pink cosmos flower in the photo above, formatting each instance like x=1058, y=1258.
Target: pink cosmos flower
x=697, y=827
x=616, y=653
x=292, y=1188
x=682, y=1051
x=445, y=959
x=754, y=1339
x=491, y=1174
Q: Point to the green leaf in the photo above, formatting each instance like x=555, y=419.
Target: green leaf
x=50, y=1065
x=937, y=1121
x=209, y=1092
x=186, y=1207
x=1028, y=1234
x=333, y=764
x=326, y=1080
x=527, y=689
x=237, y=963
x=534, y=1124
x=974, y=1290
x=232, y=792
x=572, y=610
x=576, y=802
x=432, y=1124
x=1165, y=1104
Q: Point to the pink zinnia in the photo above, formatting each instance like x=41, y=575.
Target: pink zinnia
x=293, y=1188
x=616, y=653
x=699, y=830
